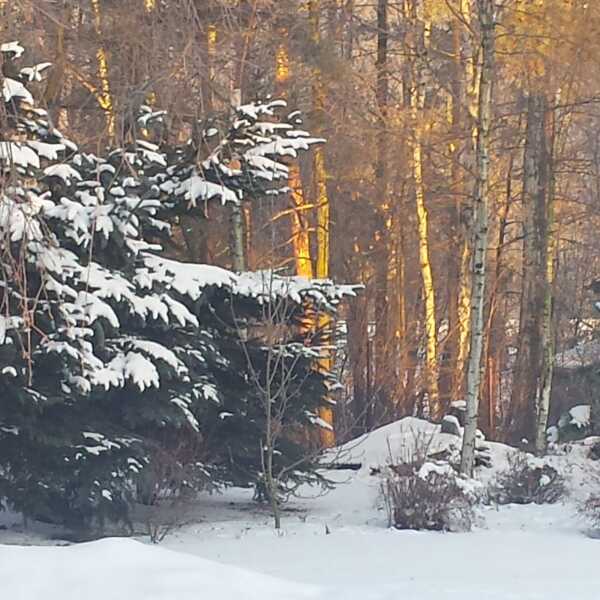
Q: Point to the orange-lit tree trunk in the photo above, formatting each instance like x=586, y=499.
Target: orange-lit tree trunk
x=300, y=223
x=422, y=31
x=105, y=98
x=324, y=323
x=464, y=104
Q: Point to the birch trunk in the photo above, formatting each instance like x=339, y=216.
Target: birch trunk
x=486, y=15
x=236, y=221
x=545, y=384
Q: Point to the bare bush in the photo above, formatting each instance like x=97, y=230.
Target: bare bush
x=159, y=520
x=424, y=495
x=527, y=482
x=428, y=499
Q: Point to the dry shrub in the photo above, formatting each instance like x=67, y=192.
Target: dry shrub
x=524, y=482
x=423, y=495
x=434, y=502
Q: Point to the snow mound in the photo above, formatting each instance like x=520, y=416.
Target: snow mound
x=398, y=442
x=122, y=569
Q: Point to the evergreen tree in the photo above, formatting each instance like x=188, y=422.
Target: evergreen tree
x=112, y=354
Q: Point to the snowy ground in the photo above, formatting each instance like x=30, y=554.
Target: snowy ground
x=229, y=549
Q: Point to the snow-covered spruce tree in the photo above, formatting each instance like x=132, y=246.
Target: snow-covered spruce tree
x=63, y=455
x=111, y=353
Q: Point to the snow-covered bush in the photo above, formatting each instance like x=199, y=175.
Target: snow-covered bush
x=527, y=480
x=421, y=489
x=575, y=424
x=107, y=347
x=427, y=497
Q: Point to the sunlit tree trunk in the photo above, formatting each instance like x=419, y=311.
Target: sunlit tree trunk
x=461, y=116
x=105, y=98
x=323, y=213
x=486, y=15
x=320, y=171
x=467, y=97
x=212, y=37
x=418, y=92
x=300, y=228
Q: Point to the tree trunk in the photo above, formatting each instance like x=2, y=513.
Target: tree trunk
x=417, y=97
x=544, y=389
x=382, y=241
x=358, y=335
x=240, y=234
x=487, y=23
x=459, y=275
x=238, y=259
x=322, y=203
x=105, y=98
x=300, y=230
x=528, y=367
x=495, y=338
x=300, y=225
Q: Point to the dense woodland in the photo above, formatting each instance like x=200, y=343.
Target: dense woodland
x=452, y=170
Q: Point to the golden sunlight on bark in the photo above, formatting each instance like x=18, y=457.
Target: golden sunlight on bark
x=105, y=97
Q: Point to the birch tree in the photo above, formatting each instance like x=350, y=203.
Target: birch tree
x=486, y=15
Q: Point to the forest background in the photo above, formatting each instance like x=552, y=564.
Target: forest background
x=394, y=87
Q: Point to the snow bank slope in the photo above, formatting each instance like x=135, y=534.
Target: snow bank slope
x=400, y=440
x=122, y=569
x=397, y=442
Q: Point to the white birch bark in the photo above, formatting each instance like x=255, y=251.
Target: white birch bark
x=486, y=15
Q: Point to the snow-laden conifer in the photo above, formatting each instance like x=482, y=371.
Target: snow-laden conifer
x=111, y=352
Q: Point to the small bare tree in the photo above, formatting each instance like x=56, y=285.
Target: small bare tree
x=280, y=380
